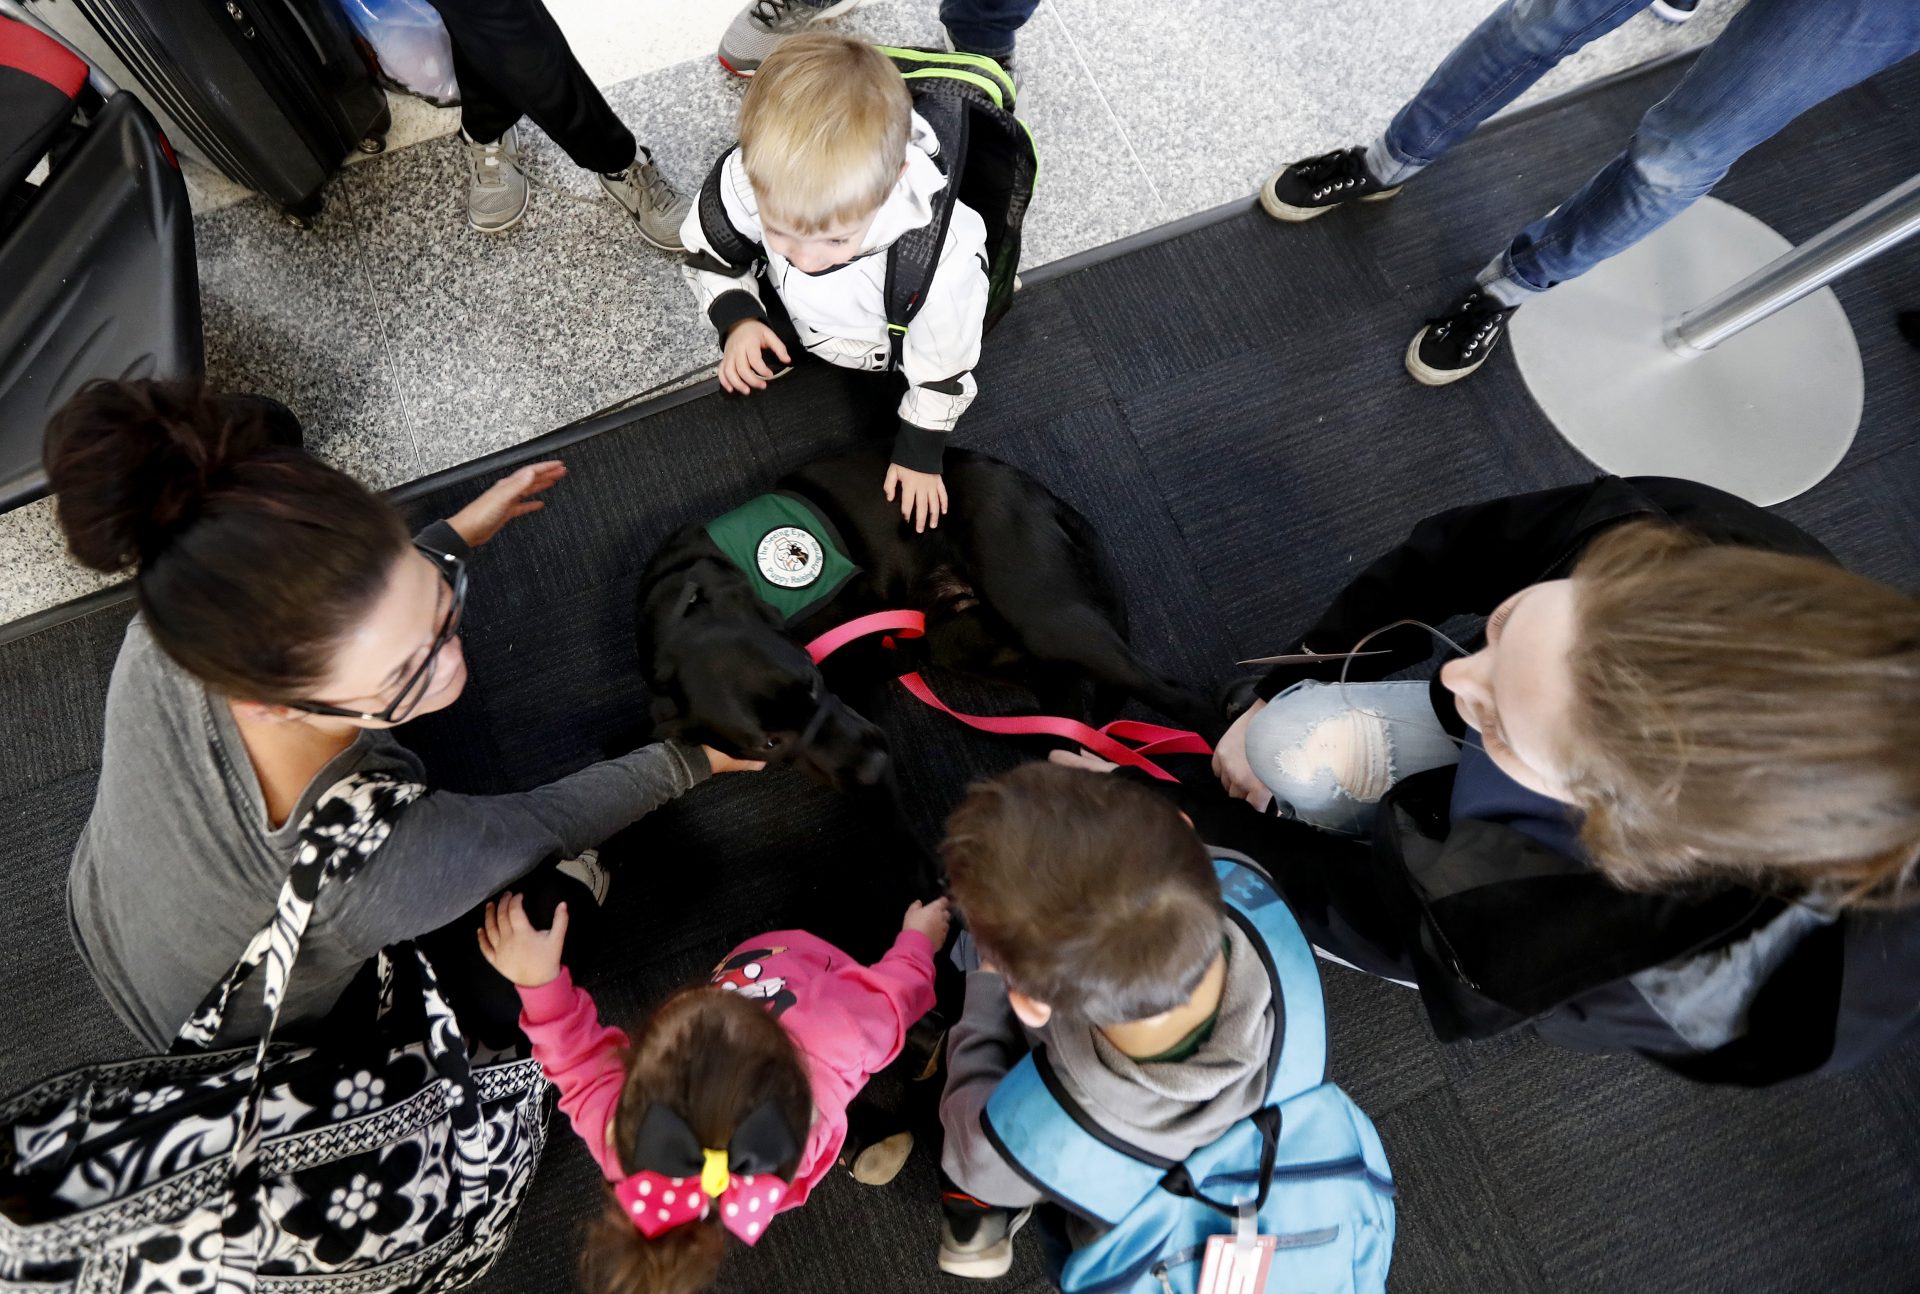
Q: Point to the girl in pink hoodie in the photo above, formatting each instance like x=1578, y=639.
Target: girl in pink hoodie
x=730, y=1102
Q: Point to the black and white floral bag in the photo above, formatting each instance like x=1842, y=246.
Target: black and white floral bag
x=276, y=1169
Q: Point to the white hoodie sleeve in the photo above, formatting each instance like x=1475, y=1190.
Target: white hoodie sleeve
x=943, y=345
x=726, y=293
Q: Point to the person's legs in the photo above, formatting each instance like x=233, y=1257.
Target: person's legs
x=1517, y=44
x=985, y=26
x=1776, y=59
x=516, y=52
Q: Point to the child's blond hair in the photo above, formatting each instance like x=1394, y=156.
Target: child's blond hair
x=823, y=133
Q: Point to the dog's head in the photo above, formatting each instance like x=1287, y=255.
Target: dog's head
x=745, y=689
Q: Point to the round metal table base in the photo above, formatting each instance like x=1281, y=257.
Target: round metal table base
x=1765, y=415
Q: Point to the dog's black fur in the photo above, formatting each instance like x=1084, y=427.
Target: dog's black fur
x=1014, y=588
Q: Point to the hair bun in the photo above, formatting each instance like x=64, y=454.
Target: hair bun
x=132, y=463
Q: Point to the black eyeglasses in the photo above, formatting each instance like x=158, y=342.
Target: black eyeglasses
x=454, y=571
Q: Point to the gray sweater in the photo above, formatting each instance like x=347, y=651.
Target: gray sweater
x=177, y=868
x=1168, y=1108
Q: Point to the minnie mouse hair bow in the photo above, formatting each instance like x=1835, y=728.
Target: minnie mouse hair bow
x=679, y=1180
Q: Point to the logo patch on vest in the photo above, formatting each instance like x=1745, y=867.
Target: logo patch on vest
x=789, y=557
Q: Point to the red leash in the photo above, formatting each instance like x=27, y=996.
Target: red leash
x=1105, y=742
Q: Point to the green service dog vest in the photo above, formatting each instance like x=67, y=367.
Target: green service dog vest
x=790, y=553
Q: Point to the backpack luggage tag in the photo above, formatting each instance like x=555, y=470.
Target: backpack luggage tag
x=1238, y=1263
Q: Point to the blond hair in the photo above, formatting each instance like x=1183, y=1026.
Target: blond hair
x=1742, y=714
x=823, y=133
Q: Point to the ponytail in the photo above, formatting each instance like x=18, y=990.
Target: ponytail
x=713, y=1058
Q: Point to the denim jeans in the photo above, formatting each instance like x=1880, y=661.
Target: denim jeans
x=1329, y=751
x=981, y=26
x=1776, y=59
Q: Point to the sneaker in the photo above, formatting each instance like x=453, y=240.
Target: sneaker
x=762, y=25
x=1317, y=185
x=655, y=205
x=587, y=870
x=881, y=1162
x=496, y=188
x=976, y=1240
x=1458, y=342
x=1675, y=11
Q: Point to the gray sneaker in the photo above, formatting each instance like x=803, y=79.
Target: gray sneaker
x=496, y=189
x=976, y=1241
x=655, y=205
x=765, y=23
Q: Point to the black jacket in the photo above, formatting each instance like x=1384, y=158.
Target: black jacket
x=1509, y=931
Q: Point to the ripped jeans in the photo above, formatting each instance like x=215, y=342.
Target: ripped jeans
x=1775, y=60
x=1328, y=752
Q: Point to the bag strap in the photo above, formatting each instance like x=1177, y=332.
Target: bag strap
x=915, y=254
x=1298, y=1061
x=736, y=255
x=1051, y=1141
x=345, y=827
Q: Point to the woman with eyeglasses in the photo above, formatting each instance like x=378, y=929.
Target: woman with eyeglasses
x=1667, y=800
x=287, y=623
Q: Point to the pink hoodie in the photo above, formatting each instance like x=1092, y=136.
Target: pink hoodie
x=848, y=1021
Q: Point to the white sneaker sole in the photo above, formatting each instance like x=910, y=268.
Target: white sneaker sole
x=990, y=1263
x=830, y=11
x=1427, y=375
x=1271, y=204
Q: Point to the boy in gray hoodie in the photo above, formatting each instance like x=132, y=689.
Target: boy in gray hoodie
x=1101, y=937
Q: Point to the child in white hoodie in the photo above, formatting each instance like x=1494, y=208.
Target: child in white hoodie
x=833, y=165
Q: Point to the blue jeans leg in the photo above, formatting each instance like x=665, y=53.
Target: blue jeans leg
x=986, y=26
x=1776, y=59
x=1517, y=44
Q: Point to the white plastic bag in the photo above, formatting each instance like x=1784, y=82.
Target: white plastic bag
x=411, y=44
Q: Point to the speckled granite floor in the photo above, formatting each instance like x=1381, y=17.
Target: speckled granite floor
x=408, y=343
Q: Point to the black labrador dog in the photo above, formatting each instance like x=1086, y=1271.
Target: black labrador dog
x=1013, y=584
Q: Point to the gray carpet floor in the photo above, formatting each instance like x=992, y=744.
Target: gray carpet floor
x=1229, y=407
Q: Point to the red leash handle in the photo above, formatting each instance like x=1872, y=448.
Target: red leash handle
x=1105, y=742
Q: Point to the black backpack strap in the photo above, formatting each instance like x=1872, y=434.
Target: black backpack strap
x=915, y=255
x=735, y=253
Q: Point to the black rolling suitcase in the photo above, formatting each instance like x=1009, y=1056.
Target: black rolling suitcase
x=271, y=92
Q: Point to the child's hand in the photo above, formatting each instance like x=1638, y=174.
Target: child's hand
x=923, y=495
x=513, y=947
x=743, y=368
x=930, y=919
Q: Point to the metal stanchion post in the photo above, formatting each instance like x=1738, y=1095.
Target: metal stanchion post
x=1679, y=357
x=1812, y=265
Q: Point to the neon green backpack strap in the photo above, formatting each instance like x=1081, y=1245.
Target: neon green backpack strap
x=921, y=66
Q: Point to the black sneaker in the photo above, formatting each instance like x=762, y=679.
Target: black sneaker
x=976, y=1240
x=1454, y=344
x=1675, y=11
x=1306, y=189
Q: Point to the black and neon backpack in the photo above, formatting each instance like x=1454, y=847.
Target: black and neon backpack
x=967, y=100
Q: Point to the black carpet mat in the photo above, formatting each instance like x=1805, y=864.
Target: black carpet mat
x=1229, y=408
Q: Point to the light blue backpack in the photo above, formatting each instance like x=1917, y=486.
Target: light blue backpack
x=1306, y=1169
